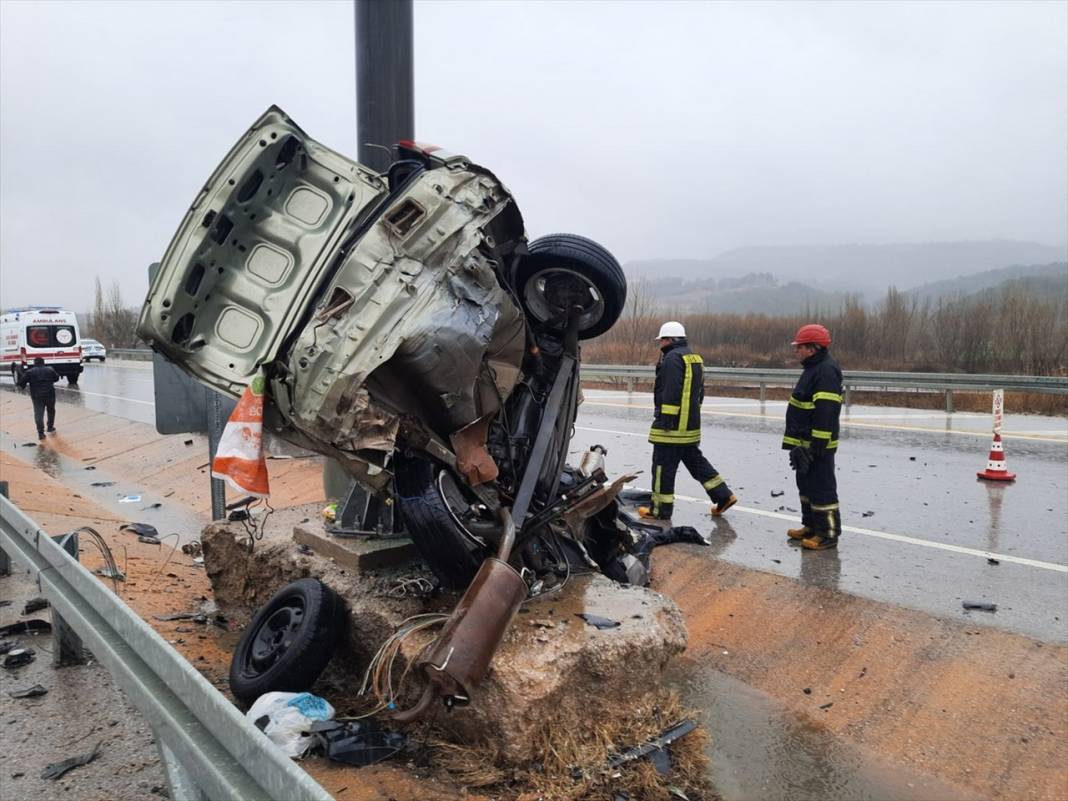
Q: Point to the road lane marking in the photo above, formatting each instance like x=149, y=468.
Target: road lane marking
x=1059, y=438
x=884, y=535
x=942, y=546
x=102, y=395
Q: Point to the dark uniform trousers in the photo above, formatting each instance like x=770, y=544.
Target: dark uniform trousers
x=666, y=460
x=40, y=406
x=818, y=490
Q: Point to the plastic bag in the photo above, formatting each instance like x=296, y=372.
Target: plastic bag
x=286, y=718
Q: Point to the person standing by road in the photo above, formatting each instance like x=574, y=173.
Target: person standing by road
x=811, y=437
x=676, y=430
x=42, y=380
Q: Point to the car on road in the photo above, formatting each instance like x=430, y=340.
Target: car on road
x=405, y=326
x=91, y=349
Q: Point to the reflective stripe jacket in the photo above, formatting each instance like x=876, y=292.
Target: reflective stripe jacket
x=812, y=416
x=679, y=391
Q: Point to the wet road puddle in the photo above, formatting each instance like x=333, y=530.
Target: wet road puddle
x=168, y=518
x=760, y=751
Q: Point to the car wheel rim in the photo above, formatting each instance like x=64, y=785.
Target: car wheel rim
x=551, y=292
x=274, y=636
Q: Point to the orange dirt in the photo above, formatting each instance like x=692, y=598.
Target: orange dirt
x=977, y=707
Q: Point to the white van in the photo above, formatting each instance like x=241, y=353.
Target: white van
x=46, y=331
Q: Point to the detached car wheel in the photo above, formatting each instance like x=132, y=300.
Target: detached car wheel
x=289, y=641
x=563, y=271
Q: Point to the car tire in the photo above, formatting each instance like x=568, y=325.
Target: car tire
x=448, y=550
x=289, y=641
x=563, y=268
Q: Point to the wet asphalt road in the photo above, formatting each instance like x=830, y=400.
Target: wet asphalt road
x=919, y=526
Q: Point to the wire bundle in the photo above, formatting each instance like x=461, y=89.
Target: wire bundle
x=378, y=678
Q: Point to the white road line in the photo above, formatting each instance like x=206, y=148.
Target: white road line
x=845, y=422
x=884, y=535
x=102, y=395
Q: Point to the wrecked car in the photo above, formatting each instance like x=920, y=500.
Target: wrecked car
x=406, y=328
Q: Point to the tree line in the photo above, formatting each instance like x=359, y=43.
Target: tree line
x=111, y=323
x=1010, y=331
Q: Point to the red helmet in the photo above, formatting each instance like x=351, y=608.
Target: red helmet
x=812, y=334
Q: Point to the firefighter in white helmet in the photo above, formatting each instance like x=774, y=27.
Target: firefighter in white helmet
x=676, y=430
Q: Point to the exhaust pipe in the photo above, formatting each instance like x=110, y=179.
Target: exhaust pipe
x=463, y=651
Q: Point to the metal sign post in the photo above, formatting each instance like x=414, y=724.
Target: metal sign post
x=385, y=105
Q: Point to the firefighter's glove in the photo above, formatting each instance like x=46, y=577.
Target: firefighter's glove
x=800, y=459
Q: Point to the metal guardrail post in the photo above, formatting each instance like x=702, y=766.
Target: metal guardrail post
x=630, y=385
x=5, y=560
x=763, y=394
x=949, y=401
x=848, y=396
x=182, y=785
x=215, y=430
x=67, y=648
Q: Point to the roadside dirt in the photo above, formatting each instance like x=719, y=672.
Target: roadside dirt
x=983, y=709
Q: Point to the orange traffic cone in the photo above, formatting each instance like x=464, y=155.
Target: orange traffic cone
x=995, y=466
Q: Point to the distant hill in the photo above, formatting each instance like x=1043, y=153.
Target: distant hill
x=758, y=293
x=1038, y=279
x=866, y=269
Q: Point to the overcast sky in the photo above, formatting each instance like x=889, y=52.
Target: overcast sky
x=661, y=129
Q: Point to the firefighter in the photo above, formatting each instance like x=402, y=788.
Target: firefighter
x=41, y=379
x=812, y=438
x=676, y=431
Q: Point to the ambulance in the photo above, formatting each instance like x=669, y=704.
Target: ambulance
x=50, y=332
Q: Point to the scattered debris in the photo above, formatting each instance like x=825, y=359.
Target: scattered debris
x=6, y=645
x=91, y=467
x=35, y=626
x=829, y=704
x=982, y=606
x=102, y=484
x=807, y=691
x=156, y=505
x=196, y=617
x=142, y=529
x=654, y=745
x=150, y=541
x=303, y=548
x=5, y=602
x=189, y=442
x=191, y=548
x=777, y=493
x=867, y=514
x=35, y=604
x=112, y=573
x=992, y=561
x=601, y=623
x=912, y=458
x=359, y=742
x=777, y=561
x=19, y=658
x=58, y=769
x=30, y=692
x=287, y=719
x=129, y=498
x=863, y=672
x=29, y=444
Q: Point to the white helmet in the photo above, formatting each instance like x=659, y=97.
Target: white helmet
x=671, y=329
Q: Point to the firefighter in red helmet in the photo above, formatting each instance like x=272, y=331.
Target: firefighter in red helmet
x=811, y=437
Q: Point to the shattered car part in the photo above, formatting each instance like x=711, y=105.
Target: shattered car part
x=19, y=657
x=460, y=657
x=30, y=692
x=359, y=743
x=645, y=749
x=394, y=313
x=57, y=769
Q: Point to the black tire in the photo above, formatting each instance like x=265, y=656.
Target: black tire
x=450, y=551
x=289, y=641
x=577, y=264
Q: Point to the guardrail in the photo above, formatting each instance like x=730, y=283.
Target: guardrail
x=851, y=380
x=133, y=354
x=208, y=748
